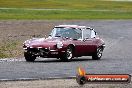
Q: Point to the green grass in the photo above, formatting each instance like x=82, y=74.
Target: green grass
x=60, y=14
x=66, y=4
x=8, y=49
x=73, y=9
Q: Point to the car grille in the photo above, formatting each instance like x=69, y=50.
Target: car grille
x=37, y=50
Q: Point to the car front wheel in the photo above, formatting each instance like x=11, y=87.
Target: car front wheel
x=98, y=54
x=29, y=57
x=68, y=54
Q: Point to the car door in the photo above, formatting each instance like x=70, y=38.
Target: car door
x=87, y=44
x=89, y=38
x=79, y=47
x=90, y=46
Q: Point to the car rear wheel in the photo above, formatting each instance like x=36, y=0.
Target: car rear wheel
x=29, y=57
x=98, y=54
x=68, y=54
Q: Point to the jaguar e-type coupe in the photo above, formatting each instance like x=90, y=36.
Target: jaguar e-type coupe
x=65, y=42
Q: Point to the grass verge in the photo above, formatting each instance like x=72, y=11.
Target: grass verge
x=67, y=4
x=34, y=14
x=9, y=49
x=66, y=9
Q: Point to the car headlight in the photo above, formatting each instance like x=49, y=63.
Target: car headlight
x=26, y=44
x=59, y=45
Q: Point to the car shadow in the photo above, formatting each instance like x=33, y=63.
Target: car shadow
x=59, y=61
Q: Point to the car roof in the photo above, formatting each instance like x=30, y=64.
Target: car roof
x=73, y=26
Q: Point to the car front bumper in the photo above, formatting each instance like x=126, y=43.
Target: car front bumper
x=46, y=52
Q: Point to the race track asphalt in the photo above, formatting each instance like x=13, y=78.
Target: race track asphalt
x=117, y=56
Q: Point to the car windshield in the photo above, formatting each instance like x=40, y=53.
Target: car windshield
x=67, y=33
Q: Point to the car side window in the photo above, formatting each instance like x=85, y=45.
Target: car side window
x=93, y=34
x=86, y=34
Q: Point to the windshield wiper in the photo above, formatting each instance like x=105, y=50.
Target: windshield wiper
x=58, y=36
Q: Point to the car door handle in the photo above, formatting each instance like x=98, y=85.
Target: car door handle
x=89, y=40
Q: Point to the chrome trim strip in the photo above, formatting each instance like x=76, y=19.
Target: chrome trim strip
x=53, y=50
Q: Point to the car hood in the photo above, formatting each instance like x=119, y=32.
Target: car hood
x=42, y=42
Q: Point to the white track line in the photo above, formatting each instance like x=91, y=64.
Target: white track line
x=94, y=10
x=29, y=79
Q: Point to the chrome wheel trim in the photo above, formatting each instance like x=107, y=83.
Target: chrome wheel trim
x=99, y=53
x=69, y=54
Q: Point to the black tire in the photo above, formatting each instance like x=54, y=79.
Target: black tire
x=68, y=54
x=29, y=57
x=98, y=54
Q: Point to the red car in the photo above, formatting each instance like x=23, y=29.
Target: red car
x=65, y=42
